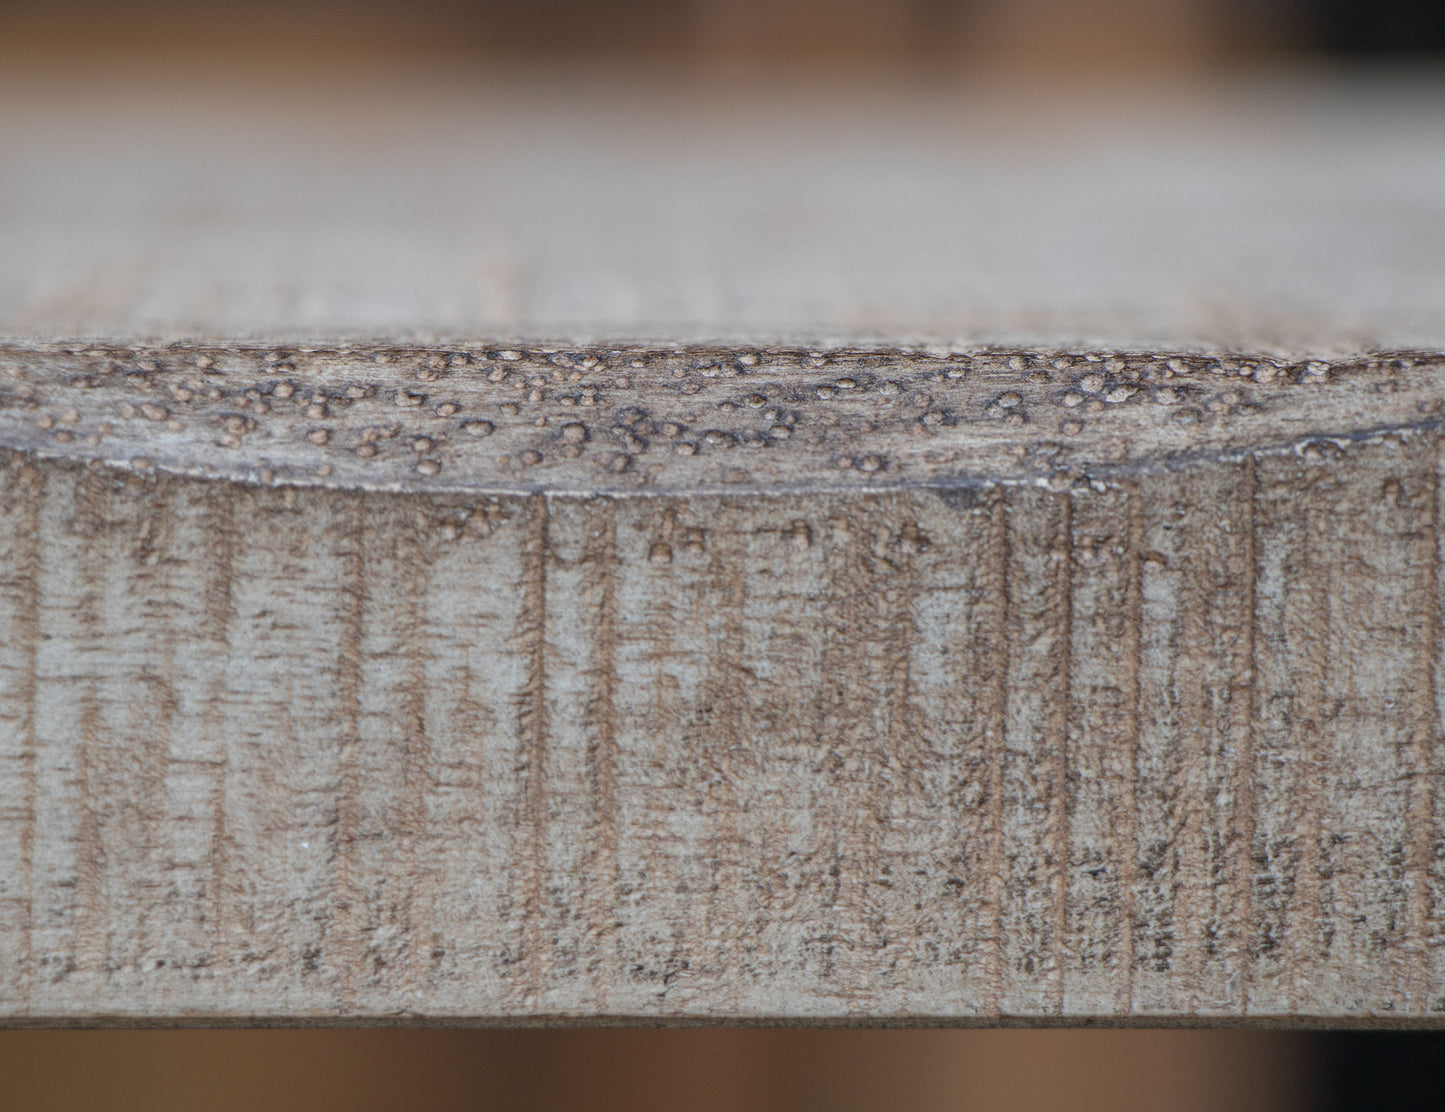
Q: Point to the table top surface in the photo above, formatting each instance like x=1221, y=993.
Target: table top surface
x=1300, y=215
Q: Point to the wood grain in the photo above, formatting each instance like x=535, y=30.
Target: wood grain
x=1158, y=744
x=497, y=572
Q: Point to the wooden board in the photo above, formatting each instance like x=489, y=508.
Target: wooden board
x=368, y=665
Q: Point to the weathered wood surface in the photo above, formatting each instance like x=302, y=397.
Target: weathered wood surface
x=637, y=420
x=1160, y=742
x=366, y=660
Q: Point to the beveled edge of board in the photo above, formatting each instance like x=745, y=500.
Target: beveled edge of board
x=624, y=420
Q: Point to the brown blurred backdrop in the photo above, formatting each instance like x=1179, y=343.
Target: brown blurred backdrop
x=947, y=38
x=658, y=1071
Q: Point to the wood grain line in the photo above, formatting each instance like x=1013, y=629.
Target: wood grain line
x=1059, y=725
x=30, y=484
x=1431, y=880
x=1435, y=856
x=727, y=733
x=838, y=726
x=220, y=612
x=1128, y=832
x=995, y=710
x=91, y=765
x=150, y=586
x=1192, y=916
x=351, y=659
x=533, y=736
x=1420, y=802
x=904, y=742
x=600, y=573
x=414, y=570
x=1308, y=910
x=1245, y=695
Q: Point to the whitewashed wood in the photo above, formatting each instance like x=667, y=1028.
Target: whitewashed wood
x=797, y=644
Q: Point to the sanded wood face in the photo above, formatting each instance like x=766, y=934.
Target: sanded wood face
x=1166, y=751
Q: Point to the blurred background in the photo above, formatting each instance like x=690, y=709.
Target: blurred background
x=757, y=1070
x=1028, y=43
x=942, y=38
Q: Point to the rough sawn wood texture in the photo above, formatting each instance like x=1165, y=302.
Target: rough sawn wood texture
x=1072, y=724
x=512, y=550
